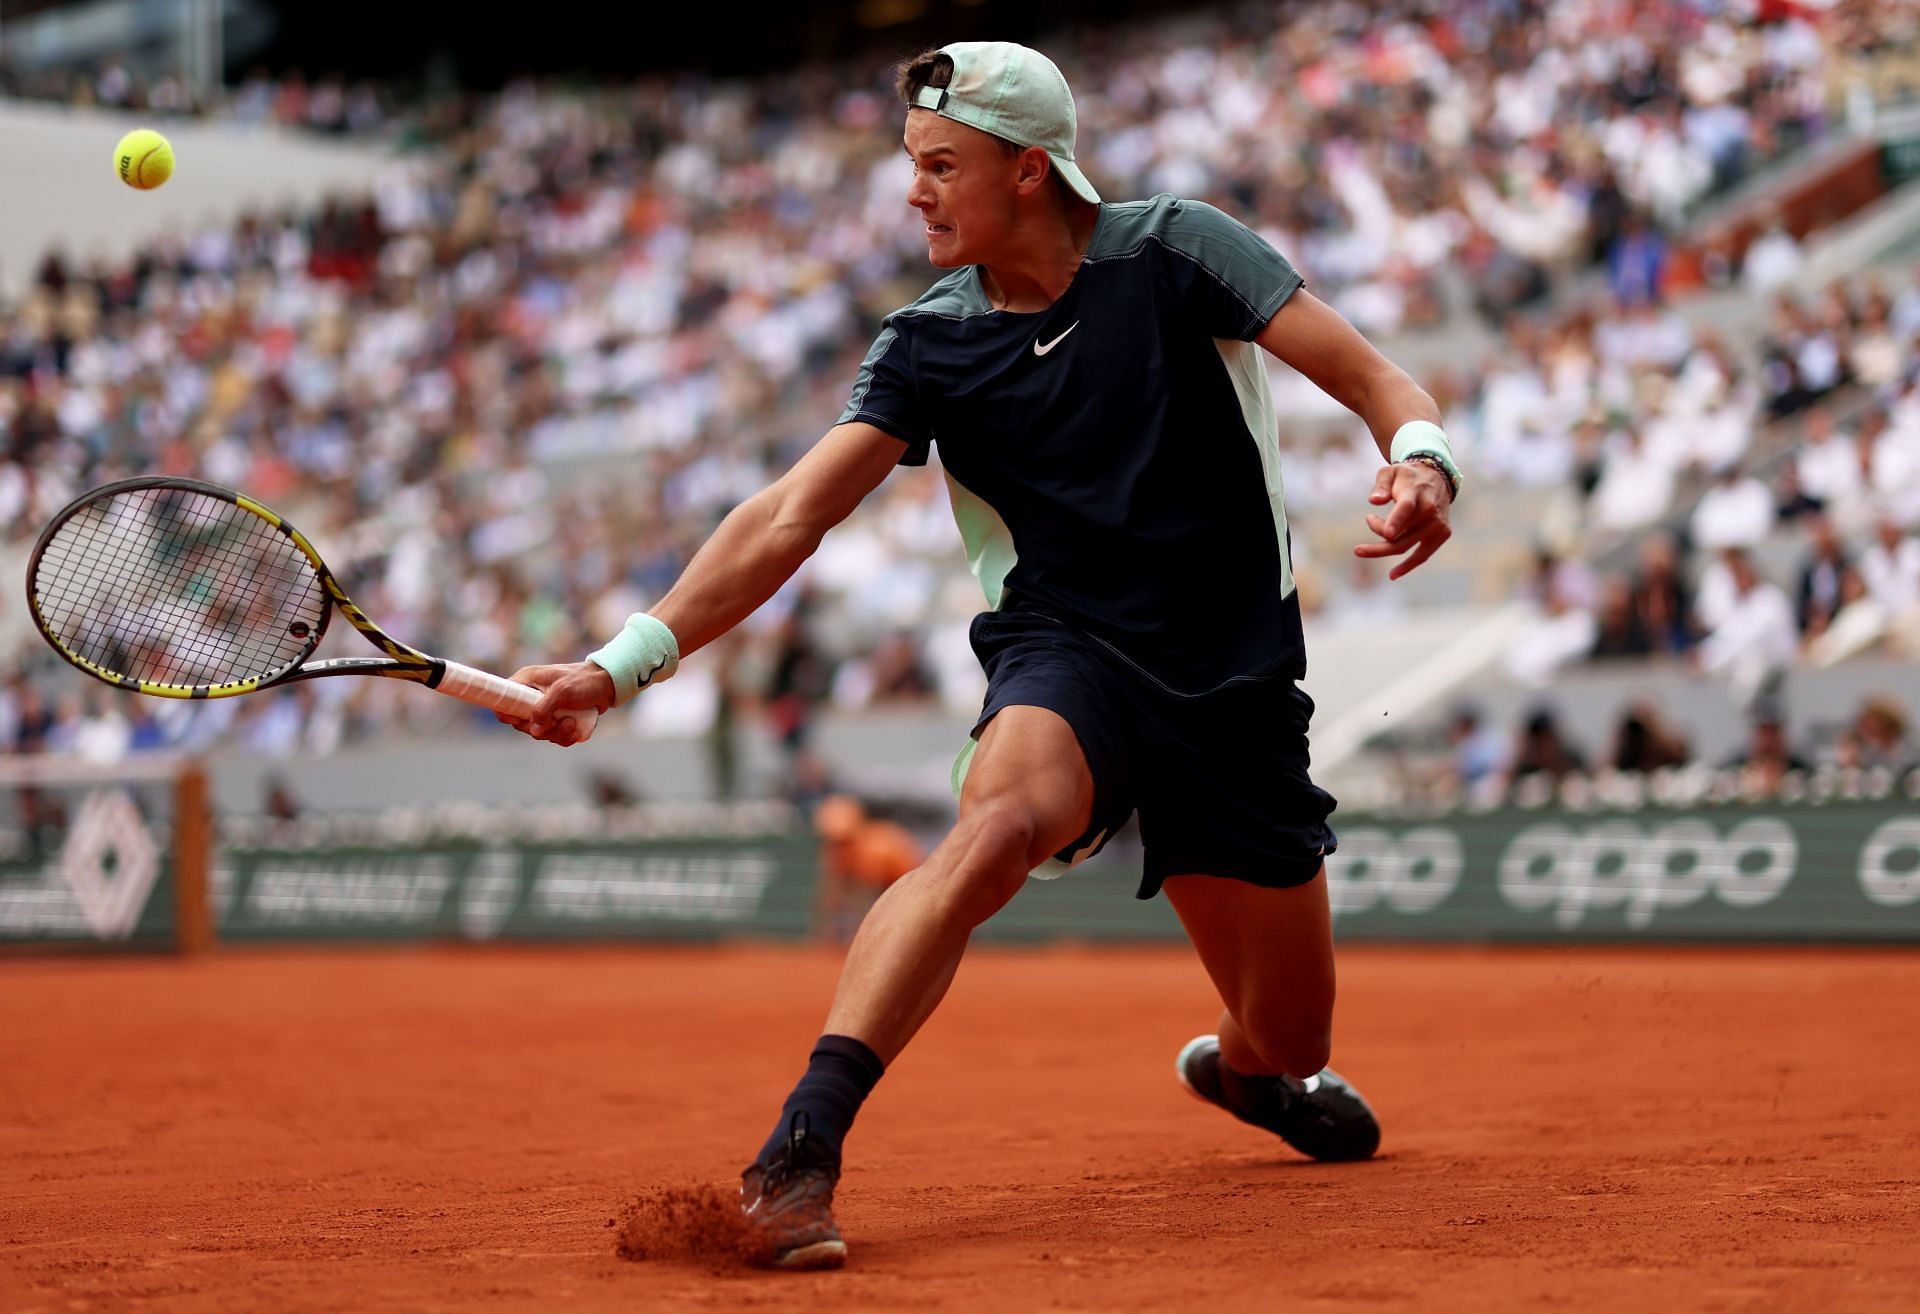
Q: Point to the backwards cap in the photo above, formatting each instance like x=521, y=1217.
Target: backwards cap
x=1015, y=93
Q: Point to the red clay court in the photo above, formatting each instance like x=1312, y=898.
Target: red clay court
x=429, y=1129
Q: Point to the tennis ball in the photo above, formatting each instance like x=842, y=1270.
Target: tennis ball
x=143, y=159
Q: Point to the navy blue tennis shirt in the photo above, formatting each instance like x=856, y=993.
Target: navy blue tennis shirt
x=1114, y=459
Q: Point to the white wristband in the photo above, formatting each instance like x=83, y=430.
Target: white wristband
x=1425, y=438
x=1420, y=436
x=643, y=653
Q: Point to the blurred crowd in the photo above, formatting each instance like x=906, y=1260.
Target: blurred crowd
x=510, y=392
x=1874, y=750
x=1391, y=147
x=1809, y=553
x=329, y=104
x=1615, y=414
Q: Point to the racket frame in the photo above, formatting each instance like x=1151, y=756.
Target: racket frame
x=400, y=663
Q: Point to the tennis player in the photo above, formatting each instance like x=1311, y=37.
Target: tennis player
x=1091, y=374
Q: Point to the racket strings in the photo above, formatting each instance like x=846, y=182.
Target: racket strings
x=174, y=587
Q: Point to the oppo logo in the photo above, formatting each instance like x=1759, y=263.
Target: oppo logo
x=1622, y=865
x=1408, y=873
x=1890, y=863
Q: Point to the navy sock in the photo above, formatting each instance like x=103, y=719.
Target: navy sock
x=841, y=1073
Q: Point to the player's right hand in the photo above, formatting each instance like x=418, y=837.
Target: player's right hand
x=566, y=685
x=1421, y=519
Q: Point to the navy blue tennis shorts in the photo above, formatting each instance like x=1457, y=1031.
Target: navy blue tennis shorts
x=1219, y=779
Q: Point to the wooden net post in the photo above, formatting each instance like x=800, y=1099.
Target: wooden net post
x=193, y=860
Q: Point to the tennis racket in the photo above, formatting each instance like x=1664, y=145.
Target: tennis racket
x=185, y=589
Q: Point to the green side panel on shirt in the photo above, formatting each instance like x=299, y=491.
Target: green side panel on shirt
x=1255, y=391
x=988, y=541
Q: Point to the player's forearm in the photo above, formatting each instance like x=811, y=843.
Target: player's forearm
x=756, y=549
x=1388, y=399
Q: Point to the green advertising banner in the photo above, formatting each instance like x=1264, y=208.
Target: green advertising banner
x=1841, y=871
x=1833, y=872
x=87, y=863
x=679, y=889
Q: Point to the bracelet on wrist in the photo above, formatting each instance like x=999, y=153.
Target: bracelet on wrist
x=1433, y=462
x=1426, y=442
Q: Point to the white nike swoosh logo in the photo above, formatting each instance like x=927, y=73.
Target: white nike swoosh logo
x=1039, y=350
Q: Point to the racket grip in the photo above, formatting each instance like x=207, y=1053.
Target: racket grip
x=484, y=689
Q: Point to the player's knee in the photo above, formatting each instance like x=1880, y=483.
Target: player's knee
x=994, y=841
x=1003, y=834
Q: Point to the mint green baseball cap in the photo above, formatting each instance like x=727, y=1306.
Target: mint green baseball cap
x=1015, y=93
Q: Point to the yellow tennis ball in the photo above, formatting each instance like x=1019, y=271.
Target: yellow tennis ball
x=143, y=159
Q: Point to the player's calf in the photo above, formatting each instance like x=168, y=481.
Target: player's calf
x=1283, y=1039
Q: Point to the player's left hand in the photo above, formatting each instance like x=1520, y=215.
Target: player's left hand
x=1421, y=518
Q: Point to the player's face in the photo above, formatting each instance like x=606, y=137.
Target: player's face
x=963, y=187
